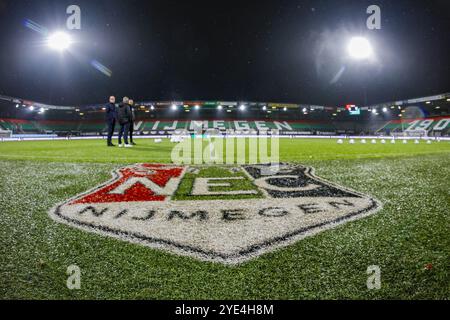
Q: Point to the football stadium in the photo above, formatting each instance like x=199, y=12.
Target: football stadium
x=223, y=199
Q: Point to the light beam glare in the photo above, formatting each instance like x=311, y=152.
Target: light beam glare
x=100, y=67
x=30, y=24
x=338, y=75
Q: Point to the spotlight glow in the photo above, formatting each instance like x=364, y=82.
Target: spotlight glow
x=59, y=41
x=219, y=107
x=359, y=48
x=242, y=107
x=174, y=107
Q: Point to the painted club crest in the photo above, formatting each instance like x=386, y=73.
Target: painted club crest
x=214, y=213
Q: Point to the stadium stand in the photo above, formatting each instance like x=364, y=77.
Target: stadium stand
x=18, y=125
x=58, y=126
x=428, y=114
x=92, y=127
x=438, y=125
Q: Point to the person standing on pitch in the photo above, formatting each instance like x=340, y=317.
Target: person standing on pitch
x=124, y=117
x=133, y=118
x=111, y=118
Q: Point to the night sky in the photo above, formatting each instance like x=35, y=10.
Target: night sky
x=277, y=51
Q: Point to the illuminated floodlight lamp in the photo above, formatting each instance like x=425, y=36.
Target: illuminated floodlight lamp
x=264, y=108
x=17, y=106
x=152, y=107
x=219, y=107
x=285, y=109
x=305, y=110
x=174, y=107
x=31, y=108
x=41, y=110
x=428, y=102
x=242, y=107
x=374, y=111
x=359, y=48
x=59, y=41
x=197, y=107
x=385, y=109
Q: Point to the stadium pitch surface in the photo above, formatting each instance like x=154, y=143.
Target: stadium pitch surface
x=408, y=238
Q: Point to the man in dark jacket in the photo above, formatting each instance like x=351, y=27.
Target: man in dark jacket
x=133, y=118
x=124, y=117
x=111, y=117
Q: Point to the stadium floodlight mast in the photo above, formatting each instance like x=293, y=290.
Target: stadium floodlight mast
x=59, y=41
x=359, y=48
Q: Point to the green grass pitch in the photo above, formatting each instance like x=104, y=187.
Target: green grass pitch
x=409, y=233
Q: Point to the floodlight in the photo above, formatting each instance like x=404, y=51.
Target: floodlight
x=385, y=109
x=59, y=41
x=219, y=107
x=359, y=48
x=197, y=107
x=31, y=108
x=242, y=107
x=174, y=107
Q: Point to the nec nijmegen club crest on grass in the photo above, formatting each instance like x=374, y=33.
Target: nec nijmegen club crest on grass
x=221, y=213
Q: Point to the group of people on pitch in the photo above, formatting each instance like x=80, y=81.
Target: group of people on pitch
x=124, y=114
